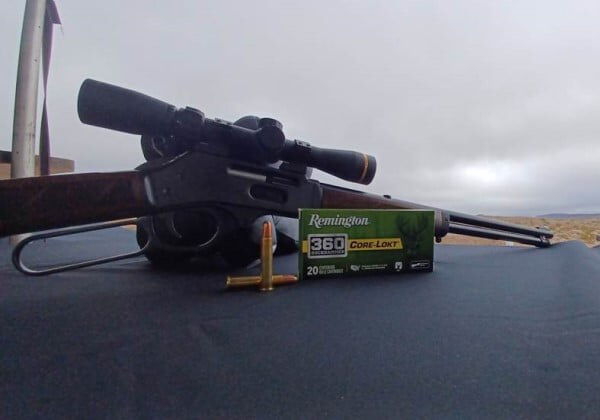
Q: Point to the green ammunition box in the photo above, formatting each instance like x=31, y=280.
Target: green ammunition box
x=361, y=242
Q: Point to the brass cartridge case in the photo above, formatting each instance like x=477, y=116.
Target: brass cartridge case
x=266, y=257
x=246, y=281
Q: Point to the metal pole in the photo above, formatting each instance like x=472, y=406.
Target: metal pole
x=28, y=74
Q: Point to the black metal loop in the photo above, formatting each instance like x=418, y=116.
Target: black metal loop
x=19, y=265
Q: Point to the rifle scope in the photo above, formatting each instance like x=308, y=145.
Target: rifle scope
x=116, y=108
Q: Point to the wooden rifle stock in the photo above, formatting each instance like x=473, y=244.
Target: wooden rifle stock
x=48, y=202
x=342, y=198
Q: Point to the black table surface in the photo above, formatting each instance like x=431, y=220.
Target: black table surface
x=492, y=332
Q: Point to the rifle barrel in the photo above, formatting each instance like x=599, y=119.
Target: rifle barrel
x=497, y=224
x=464, y=224
x=479, y=232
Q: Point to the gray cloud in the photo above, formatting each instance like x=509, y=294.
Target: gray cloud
x=486, y=107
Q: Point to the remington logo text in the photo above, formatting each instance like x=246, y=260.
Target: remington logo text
x=347, y=222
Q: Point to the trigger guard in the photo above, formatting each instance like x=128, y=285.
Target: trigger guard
x=166, y=237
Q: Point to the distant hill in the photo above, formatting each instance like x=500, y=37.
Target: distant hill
x=570, y=216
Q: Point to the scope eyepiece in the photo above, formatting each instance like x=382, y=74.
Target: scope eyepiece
x=345, y=164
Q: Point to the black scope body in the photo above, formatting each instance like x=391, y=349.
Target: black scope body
x=104, y=105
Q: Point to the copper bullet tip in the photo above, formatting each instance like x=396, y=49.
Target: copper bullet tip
x=267, y=230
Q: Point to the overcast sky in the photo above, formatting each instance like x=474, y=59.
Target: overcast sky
x=480, y=106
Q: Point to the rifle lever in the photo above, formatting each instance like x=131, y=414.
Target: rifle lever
x=20, y=265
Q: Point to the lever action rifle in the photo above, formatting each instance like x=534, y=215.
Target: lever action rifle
x=206, y=181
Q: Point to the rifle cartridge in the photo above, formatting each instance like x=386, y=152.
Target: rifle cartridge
x=266, y=257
